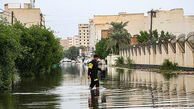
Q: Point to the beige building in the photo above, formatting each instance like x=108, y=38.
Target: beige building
x=173, y=21
x=75, y=41
x=83, y=30
x=65, y=44
x=27, y=15
x=69, y=42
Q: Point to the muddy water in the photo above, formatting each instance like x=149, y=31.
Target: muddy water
x=120, y=88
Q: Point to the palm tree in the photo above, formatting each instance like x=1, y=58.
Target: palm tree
x=118, y=36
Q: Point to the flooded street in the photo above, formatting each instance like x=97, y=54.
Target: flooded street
x=119, y=88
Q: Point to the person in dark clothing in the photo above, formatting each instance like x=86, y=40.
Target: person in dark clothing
x=93, y=72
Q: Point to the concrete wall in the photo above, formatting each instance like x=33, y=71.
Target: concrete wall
x=153, y=55
x=111, y=59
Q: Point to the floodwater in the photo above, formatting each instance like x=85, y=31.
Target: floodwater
x=120, y=88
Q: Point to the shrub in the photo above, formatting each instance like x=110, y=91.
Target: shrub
x=129, y=62
x=42, y=50
x=29, y=51
x=119, y=61
x=167, y=65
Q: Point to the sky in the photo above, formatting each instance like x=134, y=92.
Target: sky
x=63, y=16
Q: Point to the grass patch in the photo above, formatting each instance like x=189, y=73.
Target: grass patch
x=169, y=66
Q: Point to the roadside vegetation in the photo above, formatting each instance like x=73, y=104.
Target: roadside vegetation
x=167, y=67
x=101, y=48
x=120, y=62
x=118, y=37
x=72, y=53
x=145, y=37
x=28, y=52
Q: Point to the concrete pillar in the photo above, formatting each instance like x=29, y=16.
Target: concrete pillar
x=189, y=56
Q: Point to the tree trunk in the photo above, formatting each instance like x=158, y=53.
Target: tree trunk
x=117, y=49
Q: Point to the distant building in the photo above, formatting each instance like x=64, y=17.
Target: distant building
x=83, y=31
x=76, y=41
x=65, y=44
x=173, y=21
x=69, y=42
x=27, y=15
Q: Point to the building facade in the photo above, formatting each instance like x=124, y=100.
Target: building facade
x=173, y=21
x=83, y=31
x=76, y=41
x=69, y=42
x=26, y=15
x=65, y=44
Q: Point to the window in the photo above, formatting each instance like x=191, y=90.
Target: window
x=87, y=34
x=84, y=33
x=80, y=34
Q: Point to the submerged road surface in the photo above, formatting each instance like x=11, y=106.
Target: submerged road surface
x=120, y=88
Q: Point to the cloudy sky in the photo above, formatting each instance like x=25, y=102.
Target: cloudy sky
x=63, y=16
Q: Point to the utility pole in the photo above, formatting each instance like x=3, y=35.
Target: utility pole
x=41, y=19
x=12, y=17
x=151, y=12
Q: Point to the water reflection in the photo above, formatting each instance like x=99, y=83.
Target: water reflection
x=32, y=93
x=119, y=88
x=93, y=100
x=146, y=89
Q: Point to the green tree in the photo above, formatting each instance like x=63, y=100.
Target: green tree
x=72, y=53
x=118, y=36
x=30, y=51
x=42, y=50
x=10, y=49
x=155, y=35
x=101, y=48
x=143, y=37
